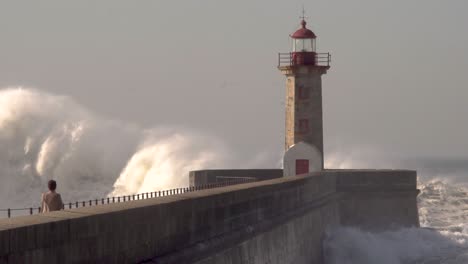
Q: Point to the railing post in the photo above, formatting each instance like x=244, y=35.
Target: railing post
x=69, y=205
x=9, y=212
x=90, y=202
x=84, y=203
x=113, y=199
x=30, y=211
x=76, y=204
x=39, y=209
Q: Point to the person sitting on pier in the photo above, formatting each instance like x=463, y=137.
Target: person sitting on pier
x=51, y=201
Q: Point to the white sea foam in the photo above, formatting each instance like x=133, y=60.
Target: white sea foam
x=443, y=212
x=44, y=136
x=409, y=245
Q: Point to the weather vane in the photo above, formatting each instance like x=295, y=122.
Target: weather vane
x=303, y=13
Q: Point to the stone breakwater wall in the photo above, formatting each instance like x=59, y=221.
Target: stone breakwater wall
x=275, y=221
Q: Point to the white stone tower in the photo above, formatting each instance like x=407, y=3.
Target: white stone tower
x=304, y=68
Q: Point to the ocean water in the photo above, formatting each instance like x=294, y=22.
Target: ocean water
x=45, y=136
x=443, y=214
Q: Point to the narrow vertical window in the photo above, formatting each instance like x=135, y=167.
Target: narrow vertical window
x=304, y=126
x=303, y=92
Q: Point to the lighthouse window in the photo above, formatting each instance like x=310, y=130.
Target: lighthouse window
x=303, y=92
x=303, y=125
x=304, y=45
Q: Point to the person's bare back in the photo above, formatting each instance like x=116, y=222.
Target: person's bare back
x=51, y=201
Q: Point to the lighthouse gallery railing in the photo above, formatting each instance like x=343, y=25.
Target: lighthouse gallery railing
x=289, y=59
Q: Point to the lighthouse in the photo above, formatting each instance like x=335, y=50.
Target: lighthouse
x=303, y=68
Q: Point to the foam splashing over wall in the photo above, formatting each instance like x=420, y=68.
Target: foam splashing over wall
x=45, y=136
x=162, y=164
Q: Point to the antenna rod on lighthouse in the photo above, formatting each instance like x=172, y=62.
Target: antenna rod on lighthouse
x=303, y=17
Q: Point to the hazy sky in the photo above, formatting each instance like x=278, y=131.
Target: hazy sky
x=398, y=81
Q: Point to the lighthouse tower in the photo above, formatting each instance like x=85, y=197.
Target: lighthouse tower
x=303, y=68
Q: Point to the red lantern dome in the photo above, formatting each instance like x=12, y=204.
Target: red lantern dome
x=303, y=32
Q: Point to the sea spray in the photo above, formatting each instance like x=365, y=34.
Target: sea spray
x=164, y=162
x=45, y=136
x=443, y=213
x=348, y=245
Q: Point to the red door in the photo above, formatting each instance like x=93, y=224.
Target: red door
x=302, y=166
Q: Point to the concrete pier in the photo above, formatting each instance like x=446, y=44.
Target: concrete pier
x=274, y=221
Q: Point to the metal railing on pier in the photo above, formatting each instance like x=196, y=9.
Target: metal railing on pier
x=126, y=198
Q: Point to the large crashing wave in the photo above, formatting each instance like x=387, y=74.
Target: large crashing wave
x=44, y=136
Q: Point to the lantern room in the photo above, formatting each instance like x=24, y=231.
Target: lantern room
x=303, y=51
x=303, y=39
